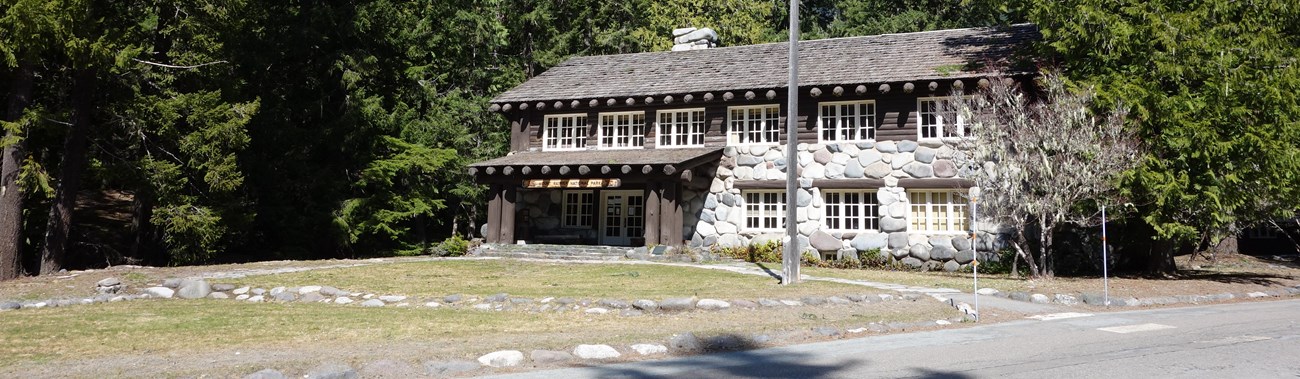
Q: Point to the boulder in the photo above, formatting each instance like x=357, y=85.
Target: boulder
x=1039, y=298
x=877, y=170
x=712, y=304
x=891, y=225
x=898, y=240
x=823, y=241
x=685, y=343
x=108, y=286
x=920, y=252
x=312, y=297
x=332, y=371
x=870, y=240
x=645, y=305
x=961, y=242
x=596, y=352
x=964, y=256
x=906, y=146
x=285, y=296
x=162, y=292
x=924, y=154
x=194, y=289
x=449, y=368
x=677, y=304
x=550, y=356
x=372, y=303
x=942, y=253
x=944, y=168
x=388, y=368
x=649, y=349
x=912, y=263
x=266, y=374
x=951, y=266
x=503, y=358
x=918, y=170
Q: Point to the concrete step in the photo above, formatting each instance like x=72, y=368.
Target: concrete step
x=553, y=251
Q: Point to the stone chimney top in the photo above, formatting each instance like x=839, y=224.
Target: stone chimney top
x=694, y=39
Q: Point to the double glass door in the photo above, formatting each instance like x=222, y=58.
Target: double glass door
x=624, y=217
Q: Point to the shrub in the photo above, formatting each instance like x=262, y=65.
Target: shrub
x=453, y=246
x=767, y=252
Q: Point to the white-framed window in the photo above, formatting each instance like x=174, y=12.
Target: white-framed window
x=564, y=132
x=623, y=130
x=579, y=208
x=938, y=118
x=847, y=121
x=760, y=124
x=765, y=210
x=681, y=128
x=851, y=210
x=938, y=211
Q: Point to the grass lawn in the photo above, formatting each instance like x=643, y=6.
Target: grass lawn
x=221, y=337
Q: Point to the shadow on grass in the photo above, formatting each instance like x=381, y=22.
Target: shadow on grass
x=734, y=356
x=769, y=271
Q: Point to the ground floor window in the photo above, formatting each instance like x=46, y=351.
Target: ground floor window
x=938, y=211
x=578, y=209
x=850, y=210
x=764, y=210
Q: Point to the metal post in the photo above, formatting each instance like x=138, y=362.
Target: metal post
x=790, y=268
x=974, y=247
x=1105, y=263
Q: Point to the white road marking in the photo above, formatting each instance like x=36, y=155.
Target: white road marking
x=1059, y=316
x=1238, y=339
x=1135, y=328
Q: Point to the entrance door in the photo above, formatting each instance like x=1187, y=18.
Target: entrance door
x=624, y=217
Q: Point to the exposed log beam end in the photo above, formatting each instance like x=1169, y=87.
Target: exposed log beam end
x=494, y=107
x=541, y=106
x=984, y=83
x=575, y=104
x=861, y=89
x=490, y=170
x=771, y=94
x=669, y=169
x=626, y=169
x=472, y=171
x=593, y=103
x=668, y=99
x=958, y=84
x=688, y=98
x=933, y=86
x=605, y=169
x=908, y=87
x=559, y=105
x=630, y=101
x=506, y=107
x=508, y=170
x=546, y=170
x=686, y=176
x=708, y=96
x=750, y=95
x=647, y=169
x=564, y=170
x=884, y=88
x=584, y=170
x=649, y=100
x=815, y=92
x=523, y=106
x=610, y=102
x=526, y=170
x=838, y=91
x=727, y=96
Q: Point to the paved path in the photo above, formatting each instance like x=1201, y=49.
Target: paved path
x=1241, y=340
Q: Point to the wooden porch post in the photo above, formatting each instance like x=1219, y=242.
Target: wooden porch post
x=494, y=214
x=508, y=195
x=670, y=214
x=652, y=201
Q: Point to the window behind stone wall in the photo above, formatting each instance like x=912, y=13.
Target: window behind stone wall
x=764, y=210
x=578, y=209
x=850, y=210
x=938, y=118
x=938, y=212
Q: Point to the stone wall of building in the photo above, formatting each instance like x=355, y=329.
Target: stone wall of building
x=719, y=218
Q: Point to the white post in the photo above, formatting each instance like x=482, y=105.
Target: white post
x=974, y=247
x=1105, y=263
x=790, y=268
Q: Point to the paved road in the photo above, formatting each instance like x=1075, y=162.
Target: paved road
x=1243, y=340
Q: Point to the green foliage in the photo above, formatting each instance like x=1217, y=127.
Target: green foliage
x=453, y=246
x=1212, y=87
x=770, y=252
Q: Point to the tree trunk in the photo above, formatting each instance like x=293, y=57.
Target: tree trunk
x=1160, y=259
x=70, y=171
x=11, y=161
x=144, y=248
x=1043, y=244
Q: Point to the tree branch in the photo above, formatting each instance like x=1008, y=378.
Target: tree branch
x=177, y=67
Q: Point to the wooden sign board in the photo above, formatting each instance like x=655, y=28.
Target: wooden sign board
x=573, y=183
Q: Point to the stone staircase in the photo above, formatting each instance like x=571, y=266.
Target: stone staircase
x=545, y=251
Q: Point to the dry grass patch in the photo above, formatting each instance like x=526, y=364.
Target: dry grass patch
x=198, y=336
x=627, y=281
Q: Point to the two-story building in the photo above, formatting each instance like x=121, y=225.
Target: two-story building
x=688, y=147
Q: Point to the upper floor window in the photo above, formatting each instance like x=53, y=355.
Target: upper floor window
x=754, y=125
x=938, y=118
x=565, y=132
x=847, y=121
x=764, y=210
x=850, y=210
x=938, y=211
x=625, y=130
x=681, y=128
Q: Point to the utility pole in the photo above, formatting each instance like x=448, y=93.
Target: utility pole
x=790, y=259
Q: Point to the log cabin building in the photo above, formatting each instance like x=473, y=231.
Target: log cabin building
x=688, y=147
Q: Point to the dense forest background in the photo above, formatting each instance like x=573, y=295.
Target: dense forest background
x=184, y=132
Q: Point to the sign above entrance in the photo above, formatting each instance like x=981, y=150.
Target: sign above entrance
x=573, y=183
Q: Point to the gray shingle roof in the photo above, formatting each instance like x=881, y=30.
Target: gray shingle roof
x=942, y=54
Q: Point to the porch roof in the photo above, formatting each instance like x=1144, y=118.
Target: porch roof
x=684, y=157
